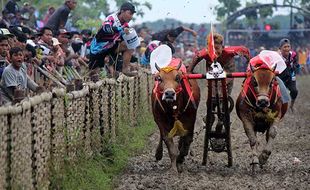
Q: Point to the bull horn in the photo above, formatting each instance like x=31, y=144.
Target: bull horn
x=274, y=68
x=179, y=66
x=156, y=66
x=252, y=68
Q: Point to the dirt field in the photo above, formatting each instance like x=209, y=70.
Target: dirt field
x=281, y=172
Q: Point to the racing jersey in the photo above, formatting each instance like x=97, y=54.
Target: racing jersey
x=106, y=37
x=226, y=58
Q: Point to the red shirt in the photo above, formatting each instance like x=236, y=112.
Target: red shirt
x=227, y=54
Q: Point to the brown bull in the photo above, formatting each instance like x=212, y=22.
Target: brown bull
x=174, y=105
x=260, y=108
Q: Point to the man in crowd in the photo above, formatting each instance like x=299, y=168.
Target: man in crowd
x=108, y=40
x=167, y=37
x=12, y=7
x=59, y=18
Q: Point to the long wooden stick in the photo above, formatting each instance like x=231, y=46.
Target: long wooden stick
x=48, y=75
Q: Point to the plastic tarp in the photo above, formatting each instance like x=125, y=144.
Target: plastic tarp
x=162, y=56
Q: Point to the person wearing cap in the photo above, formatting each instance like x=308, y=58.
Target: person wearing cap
x=11, y=37
x=108, y=40
x=60, y=16
x=58, y=54
x=167, y=37
x=288, y=76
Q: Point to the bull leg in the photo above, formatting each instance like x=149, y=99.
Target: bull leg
x=270, y=135
x=159, y=149
x=184, y=145
x=251, y=134
x=173, y=152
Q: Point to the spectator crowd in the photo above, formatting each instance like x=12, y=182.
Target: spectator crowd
x=37, y=56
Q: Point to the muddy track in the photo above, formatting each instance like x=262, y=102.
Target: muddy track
x=281, y=172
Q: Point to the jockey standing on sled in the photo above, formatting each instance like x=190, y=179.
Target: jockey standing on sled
x=288, y=76
x=108, y=40
x=225, y=57
x=167, y=37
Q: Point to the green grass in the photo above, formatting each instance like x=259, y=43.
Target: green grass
x=99, y=171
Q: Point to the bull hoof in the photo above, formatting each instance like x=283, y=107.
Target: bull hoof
x=158, y=155
x=180, y=168
x=180, y=159
x=254, y=165
x=254, y=168
x=263, y=157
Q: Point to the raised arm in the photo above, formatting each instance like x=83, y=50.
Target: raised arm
x=199, y=55
x=194, y=33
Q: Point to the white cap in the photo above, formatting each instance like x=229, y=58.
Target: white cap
x=30, y=42
x=6, y=32
x=55, y=42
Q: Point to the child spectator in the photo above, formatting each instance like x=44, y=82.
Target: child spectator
x=15, y=80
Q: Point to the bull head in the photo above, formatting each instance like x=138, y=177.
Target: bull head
x=169, y=79
x=262, y=82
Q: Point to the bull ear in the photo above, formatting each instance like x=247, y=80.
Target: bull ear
x=252, y=68
x=156, y=66
x=179, y=66
x=274, y=68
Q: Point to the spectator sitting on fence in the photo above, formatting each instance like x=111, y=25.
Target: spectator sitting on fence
x=108, y=43
x=14, y=81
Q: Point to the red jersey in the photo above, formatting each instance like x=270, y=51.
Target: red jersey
x=227, y=54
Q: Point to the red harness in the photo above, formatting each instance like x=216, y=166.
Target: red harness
x=158, y=92
x=250, y=95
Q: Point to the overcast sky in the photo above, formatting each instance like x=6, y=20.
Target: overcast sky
x=189, y=11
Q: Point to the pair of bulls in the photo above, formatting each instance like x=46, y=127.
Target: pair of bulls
x=175, y=100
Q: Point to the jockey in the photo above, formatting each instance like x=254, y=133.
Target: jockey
x=108, y=40
x=225, y=57
x=288, y=76
x=167, y=37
